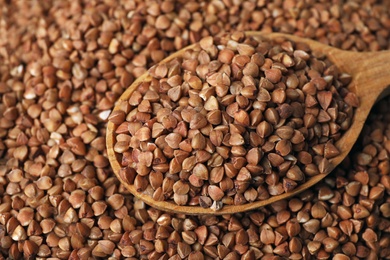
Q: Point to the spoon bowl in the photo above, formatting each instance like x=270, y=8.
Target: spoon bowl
x=368, y=71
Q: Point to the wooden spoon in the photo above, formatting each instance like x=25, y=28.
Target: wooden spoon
x=369, y=82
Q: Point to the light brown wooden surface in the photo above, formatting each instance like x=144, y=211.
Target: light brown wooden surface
x=369, y=71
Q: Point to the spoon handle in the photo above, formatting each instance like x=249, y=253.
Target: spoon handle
x=370, y=71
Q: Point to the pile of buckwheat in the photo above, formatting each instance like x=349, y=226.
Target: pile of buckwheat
x=63, y=64
x=234, y=120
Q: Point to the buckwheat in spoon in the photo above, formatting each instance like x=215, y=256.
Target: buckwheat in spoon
x=240, y=121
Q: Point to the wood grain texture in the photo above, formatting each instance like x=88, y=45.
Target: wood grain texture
x=369, y=72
